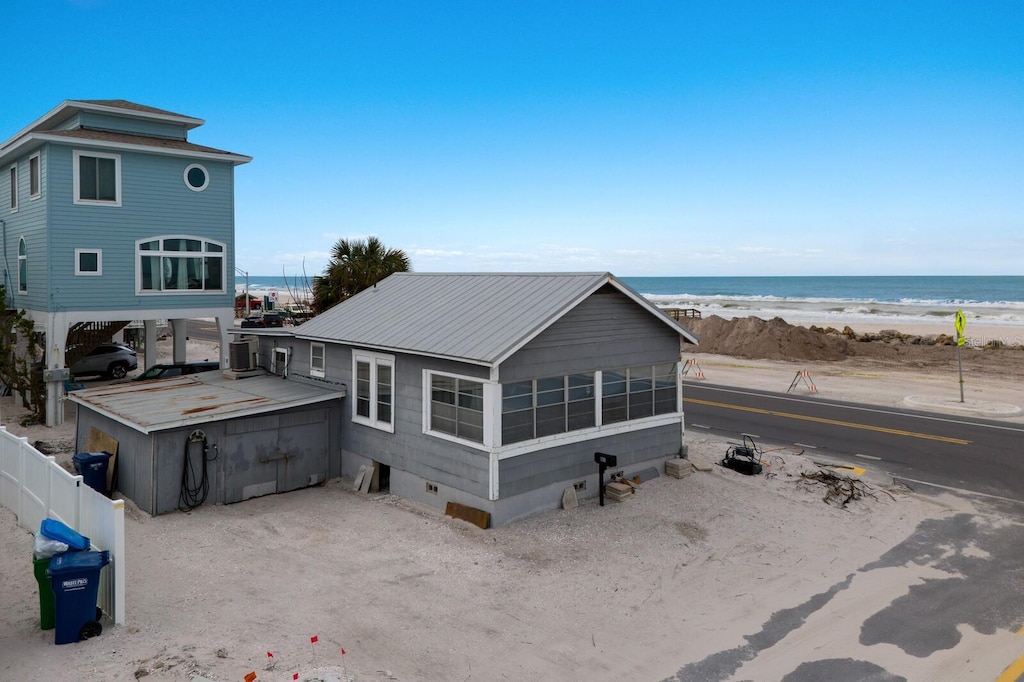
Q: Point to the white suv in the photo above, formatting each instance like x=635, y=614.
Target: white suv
x=112, y=360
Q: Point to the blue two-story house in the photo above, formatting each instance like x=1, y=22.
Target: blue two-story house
x=109, y=214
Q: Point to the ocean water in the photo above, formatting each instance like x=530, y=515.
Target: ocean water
x=991, y=301
x=995, y=301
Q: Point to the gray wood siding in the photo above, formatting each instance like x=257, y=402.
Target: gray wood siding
x=154, y=202
x=408, y=448
x=575, y=461
x=136, y=470
x=606, y=331
x=132, y=126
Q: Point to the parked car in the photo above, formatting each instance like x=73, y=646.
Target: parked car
x=268, y=318
x=112, y=360
x=174, y=369
x=298, y=312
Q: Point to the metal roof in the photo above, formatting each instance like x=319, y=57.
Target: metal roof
x=195, y=399
x=473, y=317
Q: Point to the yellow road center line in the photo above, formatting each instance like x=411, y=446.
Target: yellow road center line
x=833, y=422
x=1013, y=672
x=857, y=471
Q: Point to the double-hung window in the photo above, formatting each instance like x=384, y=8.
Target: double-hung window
x=457, y=407
x=179, y=264
x=374, y=379
x=317, y=360
x=97, y=178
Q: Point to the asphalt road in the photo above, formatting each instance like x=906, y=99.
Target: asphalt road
x=946, y=603
x=202, y=330
x=974, y=455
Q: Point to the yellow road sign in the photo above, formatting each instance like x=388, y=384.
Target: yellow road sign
x=960, y=322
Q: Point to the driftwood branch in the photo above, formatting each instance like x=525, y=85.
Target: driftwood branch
x=839, y=490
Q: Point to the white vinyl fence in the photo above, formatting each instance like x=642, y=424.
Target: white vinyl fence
x=35, y=487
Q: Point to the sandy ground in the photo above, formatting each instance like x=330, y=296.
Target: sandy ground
x=633, y=590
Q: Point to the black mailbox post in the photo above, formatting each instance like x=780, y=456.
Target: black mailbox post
x=603, y=462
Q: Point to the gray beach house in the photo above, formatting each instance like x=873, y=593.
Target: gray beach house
x=495, y=390
x=492, y=391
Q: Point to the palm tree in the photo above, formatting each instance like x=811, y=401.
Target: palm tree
x=355, y=265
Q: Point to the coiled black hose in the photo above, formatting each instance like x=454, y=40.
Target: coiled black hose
x=195, y=486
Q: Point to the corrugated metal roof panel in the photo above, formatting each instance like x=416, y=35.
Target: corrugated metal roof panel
x=198, y=398
x=476, y=317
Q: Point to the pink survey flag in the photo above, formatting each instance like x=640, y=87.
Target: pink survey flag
x=342, y=652
x=270, y=655
x=314, y=639
x=295, y=676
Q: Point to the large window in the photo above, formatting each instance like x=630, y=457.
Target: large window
x=457, y=407
x=317, y=359
x=552, y=405
x=374, y=380
x=179, y=264
x=544, y=407
x=22, y=266
x=638, y=392
x=97, y=178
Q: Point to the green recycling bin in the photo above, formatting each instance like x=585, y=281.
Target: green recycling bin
x=46, y=603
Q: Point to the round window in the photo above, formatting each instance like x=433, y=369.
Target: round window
x=196, y=178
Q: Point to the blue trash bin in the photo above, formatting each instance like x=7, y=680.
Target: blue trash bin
x=60, y=531
x=75, y=580
x=93, y=468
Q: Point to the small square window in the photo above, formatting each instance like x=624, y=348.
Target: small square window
x=89, y=262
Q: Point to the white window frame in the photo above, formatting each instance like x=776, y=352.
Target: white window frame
x=206, y=175
x=491, y=394
x=279, y=361
x=12, y=175
x=375, y=361
x=22, y=259
x=88, y=273
x=35, y=176
x=317, y=369
x=161, y=254
x=76, y=180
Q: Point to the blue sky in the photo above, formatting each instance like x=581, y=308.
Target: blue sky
x=675, y=138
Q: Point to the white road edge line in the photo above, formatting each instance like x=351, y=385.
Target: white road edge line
x=877, y=459
x=867, y=408
x=958, y=490
x=805, y=445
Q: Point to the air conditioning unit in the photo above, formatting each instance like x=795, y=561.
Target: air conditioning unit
x=242, y=354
